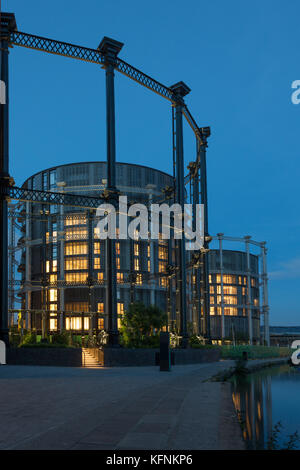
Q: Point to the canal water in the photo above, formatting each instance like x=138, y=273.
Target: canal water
x=263, y=399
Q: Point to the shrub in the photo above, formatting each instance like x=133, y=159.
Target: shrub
x=196, y=340
x=141, y=325
x=63, y=338
x=29, y=338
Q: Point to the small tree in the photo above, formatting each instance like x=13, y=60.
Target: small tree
x=141, y=325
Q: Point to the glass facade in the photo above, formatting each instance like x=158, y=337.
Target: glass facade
x=73, y=256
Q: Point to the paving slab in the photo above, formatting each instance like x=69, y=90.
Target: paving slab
x=116, y=408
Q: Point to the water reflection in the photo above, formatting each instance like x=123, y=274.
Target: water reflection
x=264, y=398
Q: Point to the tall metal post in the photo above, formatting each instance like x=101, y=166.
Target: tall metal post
x=45, y=225
x=7, y=24
x=220, y=237
x=110, y=49
x=90, y=280
x=249, y=296
x=61, y=239
x=265, y=294
x=151, y=188
x=196, y=200
x=180, y=90
x=205, y=133
x=28, y=252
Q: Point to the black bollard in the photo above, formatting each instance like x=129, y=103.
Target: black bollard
x=164, y=353
x=245, y=355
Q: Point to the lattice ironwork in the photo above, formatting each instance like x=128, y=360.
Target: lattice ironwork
x=52, y=46
x=191, y=122
x=47, y=197
x=65, y=49
x=86, y=54
x=140, y=77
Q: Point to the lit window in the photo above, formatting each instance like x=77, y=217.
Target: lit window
x=120, y=277
x=53, y=324
x=76, y=277
x=79, y=219
x=76, y=233
x=118, y=263
x=139, y=279
x=100, y=323
x=231, y=290
x=100, y=276
x=161, y=267
x=148, y=251
x=212, y=289
x=212, y=310
x=120, y=308
x=97, y=263
x=231, y=311
x=136, y=264
x=162, y=253
x=47, y=266
x=53, y=278
x=74, y=248
x=230, y=300
x=118, y=251
x=75, y=323
x=73, y=264
x=136, y=249
x=54, y=265
x=100, y=307
x=227, y=279
x=53, y=295
x=148, y=265
x=97, y=248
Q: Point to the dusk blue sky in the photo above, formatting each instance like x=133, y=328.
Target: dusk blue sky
x=238, y=58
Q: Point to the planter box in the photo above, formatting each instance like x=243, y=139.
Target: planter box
x=65, y=357
x=123, y=357
x=196, y=356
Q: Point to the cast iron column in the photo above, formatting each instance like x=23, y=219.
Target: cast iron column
x=220, y=237
x=110, y=49
x=249, y=291
x=205, y=133
x=196, y=196
x=265, y=293
x=7, y=24
x=180, y=90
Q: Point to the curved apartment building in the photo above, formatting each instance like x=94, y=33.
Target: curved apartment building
x=63, y=262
